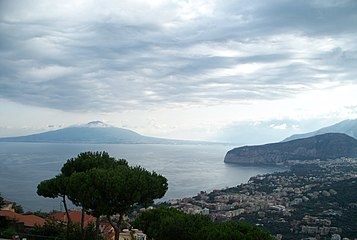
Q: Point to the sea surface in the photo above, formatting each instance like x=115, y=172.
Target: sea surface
x=188, y=168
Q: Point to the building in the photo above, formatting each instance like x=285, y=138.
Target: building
x=106, y=230
x=27, y=220
x=205, y=211
x=128, y=234
x=75, y=216
x=8, y=206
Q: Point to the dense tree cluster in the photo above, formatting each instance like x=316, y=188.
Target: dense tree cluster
x=102, y=185
x=171, y=224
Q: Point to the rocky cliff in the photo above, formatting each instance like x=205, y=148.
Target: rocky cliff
x=323, y=147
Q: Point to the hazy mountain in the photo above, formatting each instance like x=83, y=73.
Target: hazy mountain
x=92, y=132
x=348, y=127
x=323, y=147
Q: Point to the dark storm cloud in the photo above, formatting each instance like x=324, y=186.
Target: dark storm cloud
x=104, y=58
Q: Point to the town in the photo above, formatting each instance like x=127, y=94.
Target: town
x=315, y=200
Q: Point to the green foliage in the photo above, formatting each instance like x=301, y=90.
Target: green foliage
x=52, y=227
x=116, y=190
x=1, y=201
x=103, y=185
x=4, y=223
x=18, y=208
x=41, y=214
x=172, y=224
x=57, y=230
x=54, y=187
x=57, y=186
x=90, y=232
x=112, y=188
x=8, y=233
x=89, y=160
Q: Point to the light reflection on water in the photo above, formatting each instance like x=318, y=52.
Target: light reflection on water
x=188, y=168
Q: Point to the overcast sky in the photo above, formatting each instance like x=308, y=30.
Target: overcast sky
x=180, y=69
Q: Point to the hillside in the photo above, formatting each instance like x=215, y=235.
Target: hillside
x=93, y=132
x=348, y=127
x=323, y=147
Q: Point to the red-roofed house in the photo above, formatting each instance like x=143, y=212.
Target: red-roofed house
x=29, y=221
x=106, y=230
x=75, y=216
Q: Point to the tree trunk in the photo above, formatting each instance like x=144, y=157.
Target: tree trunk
x=116, y=226
x=82, y=223
x=97, y=230
x=66, y=209
x=68, y=217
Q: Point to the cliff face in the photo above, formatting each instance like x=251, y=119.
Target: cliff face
x=323, y=147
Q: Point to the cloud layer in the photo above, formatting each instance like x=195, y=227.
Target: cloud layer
x=119, y=55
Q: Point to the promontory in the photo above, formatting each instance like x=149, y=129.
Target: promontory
x=324, y=147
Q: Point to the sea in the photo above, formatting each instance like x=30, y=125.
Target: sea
x=188, y=168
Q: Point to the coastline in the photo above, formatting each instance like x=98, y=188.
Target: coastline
x=189, y=169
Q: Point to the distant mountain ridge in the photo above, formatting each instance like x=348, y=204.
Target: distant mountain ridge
x=348, y=127
x=323, y=147
x=94, y=132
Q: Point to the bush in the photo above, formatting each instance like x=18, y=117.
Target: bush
x=171, y=224
x=8, y=233
x=55, y=229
